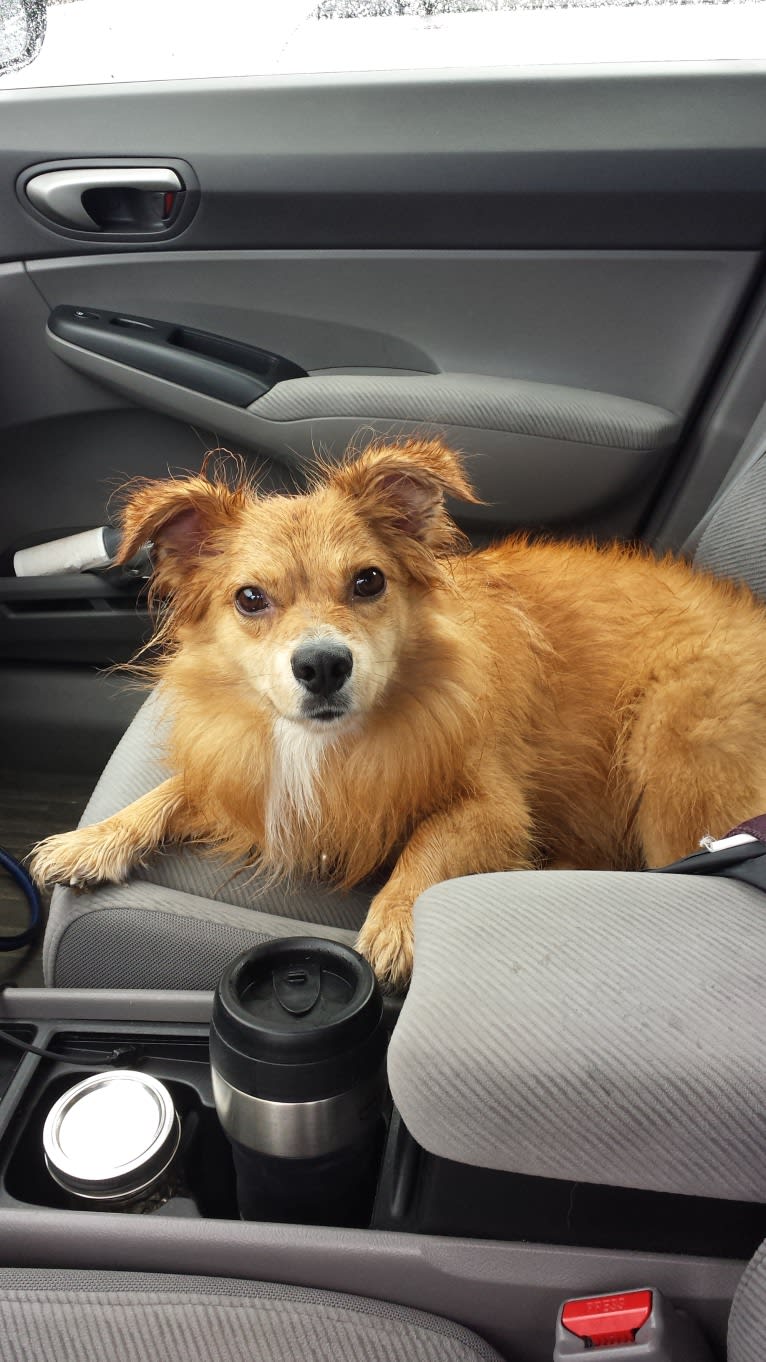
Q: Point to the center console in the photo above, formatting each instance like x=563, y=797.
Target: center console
x=486, y=1248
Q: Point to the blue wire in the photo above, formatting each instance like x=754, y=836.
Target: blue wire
x=27, y=887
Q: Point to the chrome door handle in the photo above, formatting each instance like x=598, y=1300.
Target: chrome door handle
x=57, y=194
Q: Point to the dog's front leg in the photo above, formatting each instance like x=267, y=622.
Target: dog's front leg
x=108, y=850
x=469, y=837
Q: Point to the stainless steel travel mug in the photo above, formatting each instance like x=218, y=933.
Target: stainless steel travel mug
x=297, y=1048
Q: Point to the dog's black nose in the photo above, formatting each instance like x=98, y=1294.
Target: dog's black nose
x=322, y=667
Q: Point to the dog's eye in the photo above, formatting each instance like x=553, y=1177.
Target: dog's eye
x=369, y=582
x=249, y=600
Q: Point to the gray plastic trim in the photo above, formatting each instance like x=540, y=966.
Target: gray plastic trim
x=541, y=479
x=648, y=155
x=641, y=324
x=509, y=1293
x=85, y=1004
x=63, y=718
x=36, y=387
x=729, y=432
x=230, y=423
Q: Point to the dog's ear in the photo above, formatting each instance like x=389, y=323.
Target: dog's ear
x=180, y=518
x=403, y=488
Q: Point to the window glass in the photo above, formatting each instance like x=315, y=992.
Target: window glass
x=96, y=41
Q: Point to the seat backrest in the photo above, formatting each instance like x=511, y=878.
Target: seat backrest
x=731, y=541
x=731, y=538
x=747, y=1321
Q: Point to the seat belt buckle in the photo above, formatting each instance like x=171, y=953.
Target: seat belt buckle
x=736, y=839
x=628, y=1326
x=752, y=830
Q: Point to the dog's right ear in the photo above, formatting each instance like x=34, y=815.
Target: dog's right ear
x=180, y=518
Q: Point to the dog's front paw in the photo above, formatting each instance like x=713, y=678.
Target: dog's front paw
x=82, y=859
x=386, y=940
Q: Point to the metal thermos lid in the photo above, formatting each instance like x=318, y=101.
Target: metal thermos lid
x=111, y=1136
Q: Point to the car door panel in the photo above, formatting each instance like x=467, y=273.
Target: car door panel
x=600, y=232
x=570, y=158
x=638, y=324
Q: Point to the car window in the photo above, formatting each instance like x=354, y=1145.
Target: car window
x=97, y=41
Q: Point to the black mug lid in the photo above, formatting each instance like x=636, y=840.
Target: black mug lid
x=296, y=1003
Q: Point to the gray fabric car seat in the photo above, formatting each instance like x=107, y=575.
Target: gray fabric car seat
x=730, y=539
x=592, y=1028
x=64, y=1315
x=747, y=1322
x=67, y=1316
x=183, y=915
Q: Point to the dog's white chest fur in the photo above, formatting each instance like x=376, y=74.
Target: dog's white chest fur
x=296, y=776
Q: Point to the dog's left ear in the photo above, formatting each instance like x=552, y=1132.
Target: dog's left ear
x=403, y=487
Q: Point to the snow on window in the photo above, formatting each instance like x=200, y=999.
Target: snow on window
x=96, y=41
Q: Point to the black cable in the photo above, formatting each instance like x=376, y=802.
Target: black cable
x=122, y=1054
x=29, y=890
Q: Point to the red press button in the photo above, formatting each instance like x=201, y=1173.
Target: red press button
x=604, y=1321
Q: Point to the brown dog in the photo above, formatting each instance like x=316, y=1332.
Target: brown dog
x=349, y=688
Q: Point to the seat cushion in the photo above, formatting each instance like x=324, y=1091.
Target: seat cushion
x=183, y=915
x=61, y=1316
x=590, y=1026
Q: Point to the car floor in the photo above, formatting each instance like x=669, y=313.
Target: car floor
x=32, y=805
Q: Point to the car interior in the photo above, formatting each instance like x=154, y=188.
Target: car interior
x=563, y=272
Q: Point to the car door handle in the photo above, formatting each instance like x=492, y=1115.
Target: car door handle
x=119, y=198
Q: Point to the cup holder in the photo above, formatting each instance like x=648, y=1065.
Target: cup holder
x=200, y=1184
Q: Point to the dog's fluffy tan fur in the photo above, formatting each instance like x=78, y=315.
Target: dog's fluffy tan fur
x=525, y=705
